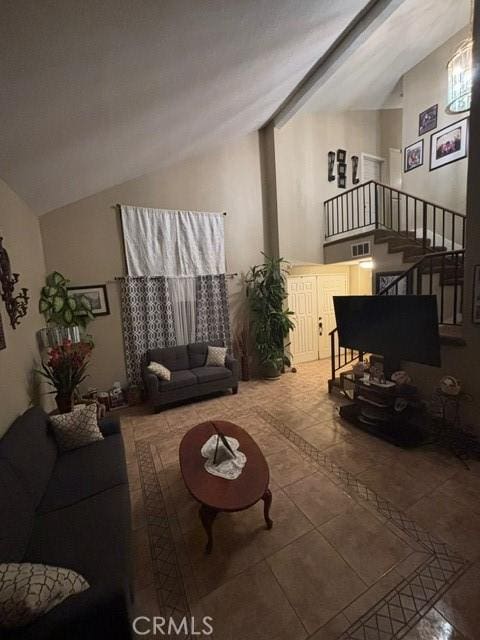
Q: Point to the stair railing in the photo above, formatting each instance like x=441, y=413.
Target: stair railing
x=418, y=280
x=374, y=205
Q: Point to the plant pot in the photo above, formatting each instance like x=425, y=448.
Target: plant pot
x=269, y=371
x=64, y=402
x=245, y=368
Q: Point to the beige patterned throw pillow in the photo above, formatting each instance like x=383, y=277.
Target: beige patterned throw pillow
x=159, y=370
x=29, y=590
x=77, y=428
x=216, y=356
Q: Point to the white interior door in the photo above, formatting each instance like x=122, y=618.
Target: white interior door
x=395, y=168
x=328, y=285
x=302, y=300
x=372, y=168
x=395, y=181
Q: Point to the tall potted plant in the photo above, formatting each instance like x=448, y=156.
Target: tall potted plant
x=271, y=319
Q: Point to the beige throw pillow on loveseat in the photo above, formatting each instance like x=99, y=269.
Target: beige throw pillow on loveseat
x=160, y=371
x=216, y=356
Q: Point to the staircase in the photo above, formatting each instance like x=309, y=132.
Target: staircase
x=431, y=239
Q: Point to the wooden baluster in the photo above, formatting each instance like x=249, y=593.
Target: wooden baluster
x=443, y=228
x=358, y=207
x=413, y=230
x=442, y=289
x=430, y=290
x=419, y=280
x=332, y=354
x=455, y=290
x=424, y=229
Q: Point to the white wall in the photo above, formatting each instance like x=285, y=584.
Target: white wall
x=424, y=86
x=83, y=240
x=301, y=151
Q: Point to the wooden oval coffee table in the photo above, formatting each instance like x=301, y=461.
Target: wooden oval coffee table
x=219, y=494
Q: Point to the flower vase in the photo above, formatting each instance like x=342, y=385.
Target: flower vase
x=64, y=402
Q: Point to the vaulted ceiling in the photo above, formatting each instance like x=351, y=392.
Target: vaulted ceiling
x=366, y=80
x=96, y=92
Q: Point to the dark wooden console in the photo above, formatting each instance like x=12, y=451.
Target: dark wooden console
x=391, y=412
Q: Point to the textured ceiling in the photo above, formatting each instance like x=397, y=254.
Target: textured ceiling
x=413, y=31
x=96, y=92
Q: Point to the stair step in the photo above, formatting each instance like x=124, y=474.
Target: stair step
x=407, y=249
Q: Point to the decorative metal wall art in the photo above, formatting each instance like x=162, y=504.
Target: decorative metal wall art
x=16, y=305
x=331, y=165
x=342, y=175
x=355, y=178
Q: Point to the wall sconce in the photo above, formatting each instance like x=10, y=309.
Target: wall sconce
x=16, y=305
x=331, y=165
x=341, y=155
x=355, y=178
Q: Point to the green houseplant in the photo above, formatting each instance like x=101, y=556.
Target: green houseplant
x=271, y=320
x=60, y=307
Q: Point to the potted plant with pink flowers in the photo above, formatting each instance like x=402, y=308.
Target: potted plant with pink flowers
x=65, y=371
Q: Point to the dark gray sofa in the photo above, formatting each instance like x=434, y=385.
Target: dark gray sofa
x=190, y=377
x=68, y=510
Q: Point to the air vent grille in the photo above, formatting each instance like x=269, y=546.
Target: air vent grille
x=360, y=249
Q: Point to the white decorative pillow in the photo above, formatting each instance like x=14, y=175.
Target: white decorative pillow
x=216, y=356
x=77, y=428
x=160, y=371
x=29, y=590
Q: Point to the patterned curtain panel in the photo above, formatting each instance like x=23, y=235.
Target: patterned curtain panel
x=147, y=321
x=212, y=318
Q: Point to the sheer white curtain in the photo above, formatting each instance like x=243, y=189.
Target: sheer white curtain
x=164, y=242
x=183, y=295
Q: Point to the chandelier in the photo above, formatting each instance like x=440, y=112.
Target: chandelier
x=460, y=79
x=460, y=76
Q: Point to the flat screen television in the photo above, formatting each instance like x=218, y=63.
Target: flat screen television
x=395, y=327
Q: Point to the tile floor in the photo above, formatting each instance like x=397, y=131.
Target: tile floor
x=369, y=541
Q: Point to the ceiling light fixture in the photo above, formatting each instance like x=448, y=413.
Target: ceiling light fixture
x=460, y=76
x=366, y=264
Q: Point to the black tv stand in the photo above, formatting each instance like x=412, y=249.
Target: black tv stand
x=375, y=409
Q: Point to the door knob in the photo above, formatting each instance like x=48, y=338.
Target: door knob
x=320, y=327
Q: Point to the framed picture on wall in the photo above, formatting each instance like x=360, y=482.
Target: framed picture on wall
x=476, y=295
x=384, y=278
x=97, y=294
x=427, y=120
x=413, y=156
x=449, y=144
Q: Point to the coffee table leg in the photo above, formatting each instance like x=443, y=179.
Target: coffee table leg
x=207, y=516
x=267, y=501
